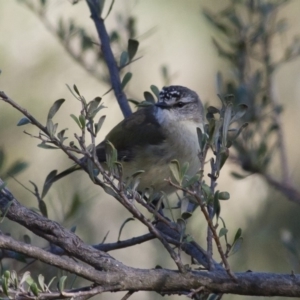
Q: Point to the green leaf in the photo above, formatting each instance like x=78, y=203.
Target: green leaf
x=123, y=59
x=223, y=157
x=5, y=286
x=82, y=121
x=76, y=90
x=224, y=196
x=61, y=134
x=239, y=113
x=92, y=107
x=27, y=239
x=46, y=146
x=43, y=208
x=135, y=102
x=34, y=289
x=61, y=283
x=90, y=167
x=99, y=124
x=149, y=97
x=76, y=120
x=236, y=246
x=111, y=155
x=206, y=190
x=182, y=227
x=237, y=235
x=126, y=79
x=191, y=181
x=122, y=226
x=213, y=110
x=175, y=169
x=24, y=278
x=54, y=108
x=184, y=169
x=41, y=280
x=237, y=175
x=48, y=182
x=223, y=231
x=23, y=121
x=155, y=90
x=16, y=168
x=132, y=48
x=217, y=206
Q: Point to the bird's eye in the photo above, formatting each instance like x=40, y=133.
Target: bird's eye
x=180, y=104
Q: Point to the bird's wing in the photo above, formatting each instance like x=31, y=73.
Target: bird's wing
x=134, y=132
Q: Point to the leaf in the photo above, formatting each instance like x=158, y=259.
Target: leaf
x=237, y=175
x=122, y=226
x=54, y=108
x=61, y=283
x=239, y=113
x=132, y=48
x=24, y=278
x=23, y=121
x=92, y=106
x=224, y=196
x=237, y=235
x=191, y=181
x=213, y=110
x=111, y=154
x=61, y=134
x=223, y=231
x=217, y=206
x=155, y=90
x=223, y=157
x=99, y=124
x=43, y=208
x=76, y=90
x=27, y=239
x=184, y=169
x=135, y=102
x=16, y=168
x=82, y=121
x=41, y=280
x=48, y=182
x=90, y=167
x=34, y=289
x=175, y=169
x=76, y=120
x=46, y=146
x=123, y=59
x=236, y=246
x=126, y=79
x=149, y=97
x=182, y=227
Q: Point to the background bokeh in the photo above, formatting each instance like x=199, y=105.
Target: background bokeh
x=173, y=33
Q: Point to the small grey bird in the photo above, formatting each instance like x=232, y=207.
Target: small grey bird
x=152, y=137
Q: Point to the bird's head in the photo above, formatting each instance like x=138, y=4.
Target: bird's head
x=179, y=104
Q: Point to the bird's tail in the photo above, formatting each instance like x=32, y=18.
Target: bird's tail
x=65, y=173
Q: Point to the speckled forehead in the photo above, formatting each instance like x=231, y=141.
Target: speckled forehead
x=170, y=93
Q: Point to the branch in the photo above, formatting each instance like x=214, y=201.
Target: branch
x=109, y=58
x=285, y=188
x=119, y=277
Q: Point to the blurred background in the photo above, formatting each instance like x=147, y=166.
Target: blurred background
x=175, y=48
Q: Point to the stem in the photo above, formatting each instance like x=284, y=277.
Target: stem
x=109, y=58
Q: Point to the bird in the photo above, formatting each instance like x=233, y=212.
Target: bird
x=153, y=136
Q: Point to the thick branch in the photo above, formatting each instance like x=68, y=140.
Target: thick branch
x=109, y=58
x=168, y=281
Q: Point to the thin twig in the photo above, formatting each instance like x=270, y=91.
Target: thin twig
x=210, y=224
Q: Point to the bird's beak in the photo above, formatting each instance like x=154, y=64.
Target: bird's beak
x=162, y=104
